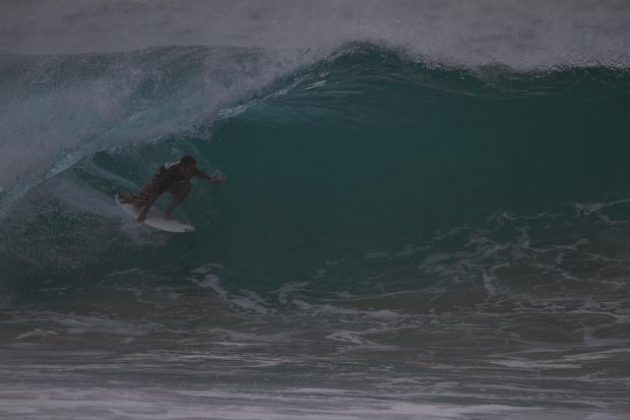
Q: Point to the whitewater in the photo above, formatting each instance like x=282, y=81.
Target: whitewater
x=426, y=213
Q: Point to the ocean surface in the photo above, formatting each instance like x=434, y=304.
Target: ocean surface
x=426, y=213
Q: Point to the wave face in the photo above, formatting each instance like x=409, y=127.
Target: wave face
x=384, y=217
x=366, y=151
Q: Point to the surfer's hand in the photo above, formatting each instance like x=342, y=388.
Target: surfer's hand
x=219, y=180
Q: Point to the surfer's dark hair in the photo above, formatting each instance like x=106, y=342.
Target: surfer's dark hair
x=187, y=160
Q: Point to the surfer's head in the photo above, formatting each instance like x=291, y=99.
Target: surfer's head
x=187, y=165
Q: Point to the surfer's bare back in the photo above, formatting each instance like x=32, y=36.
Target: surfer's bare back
x=173, y=177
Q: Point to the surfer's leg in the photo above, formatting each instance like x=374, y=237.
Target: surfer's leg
x=180, y=191
x=148, y=194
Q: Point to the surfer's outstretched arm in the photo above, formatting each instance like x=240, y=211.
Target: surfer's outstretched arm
x=219, y=180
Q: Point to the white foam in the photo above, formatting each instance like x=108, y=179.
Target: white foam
x=488, y=283
x=91, y=402
x=240, y=338
x=123, y=272
x=38, y=333
x=207, y=268
x=375, y=255
x=348, y=337
x=376, y=314
x=247, y=300
x=536, y=364
x=288, y=289
x=91, y=325
x=597, y=355
x=597, y=209
x=251, y=301
x=212, y=281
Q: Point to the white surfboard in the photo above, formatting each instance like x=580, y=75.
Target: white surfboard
x=155, y=218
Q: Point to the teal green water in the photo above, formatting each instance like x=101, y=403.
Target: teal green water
x=380, y=215
x=366, y=151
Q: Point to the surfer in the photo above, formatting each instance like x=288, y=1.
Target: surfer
x=173, y=177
